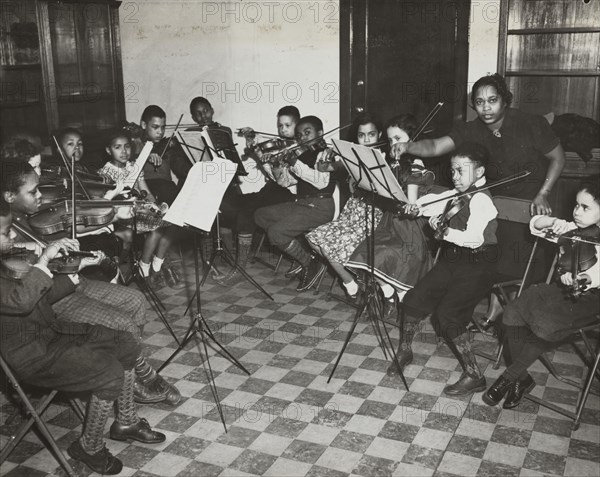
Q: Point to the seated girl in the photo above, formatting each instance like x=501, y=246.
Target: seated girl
x=544, y=314
x=120, y=168
x=337, y=240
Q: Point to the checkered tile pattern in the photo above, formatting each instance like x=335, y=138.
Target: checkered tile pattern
x=286, y=419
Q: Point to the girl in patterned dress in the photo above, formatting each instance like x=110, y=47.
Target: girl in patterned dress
x=160, y=236
x=336, y=240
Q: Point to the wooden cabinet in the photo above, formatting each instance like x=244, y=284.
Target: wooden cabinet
x=60, y=66
x=549, y=53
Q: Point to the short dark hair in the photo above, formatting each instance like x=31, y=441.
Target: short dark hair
x=199, y=100
x=365, y=118
x=60, y=135
x=13, y=175
x=406, y=122
x=116, y=133
x=19, y=149
x=291, y=111
x=591, y=185
x=312, y=120
x=475, y=152
x=153, y=111
x=498, y=82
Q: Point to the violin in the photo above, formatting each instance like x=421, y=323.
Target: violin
x=57, y=217
x=274, y=145
x=17, y=262
x=456, y=206
x=577, y=254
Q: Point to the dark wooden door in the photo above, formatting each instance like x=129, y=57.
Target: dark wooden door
x=404, y=56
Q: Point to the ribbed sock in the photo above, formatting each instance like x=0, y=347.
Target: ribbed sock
x=351, y=288
x=93, y=428
x=144, y=268
x=126, y=410
x=157, y=263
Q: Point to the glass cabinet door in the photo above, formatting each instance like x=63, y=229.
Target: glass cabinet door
x=21, y=93
x=82, y=55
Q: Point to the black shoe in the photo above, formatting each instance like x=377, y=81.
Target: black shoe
x=405, y=357
x=466, y=384
x=169, y=391
x=141, y=432
x=172, y=277
x=311, y=275
x=390, y=310
x=294, y=270
x=102, y=462
x=144, y=393
x=517, y=391
x=497, y=391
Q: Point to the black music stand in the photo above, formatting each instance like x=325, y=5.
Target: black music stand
x=220, y=250
x=368, y=169
x=199, y=329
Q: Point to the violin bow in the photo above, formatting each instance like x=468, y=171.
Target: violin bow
x=27, y=234
x=238, y=132
x=71, y=169
x=171, y=138
x=514, y=177
x=421, y=127
x=310, y=141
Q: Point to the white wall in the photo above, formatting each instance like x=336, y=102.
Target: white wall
x=250, y=58
x=483, y=41
x=247, y=58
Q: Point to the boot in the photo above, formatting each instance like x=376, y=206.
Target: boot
x=471, y=380
x=150, y=387
x=244, y=244
x=297, y=252
x=404, y=352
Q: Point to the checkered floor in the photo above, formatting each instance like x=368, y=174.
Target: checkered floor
x=285, y=419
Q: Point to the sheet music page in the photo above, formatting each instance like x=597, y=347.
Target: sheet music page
x=198, y=202
x=193, y=145
x=254, y=181
x=380, y=175
x=139, y=164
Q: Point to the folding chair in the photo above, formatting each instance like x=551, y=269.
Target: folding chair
x=35, y=414
x=517, y=211
x=581, y=330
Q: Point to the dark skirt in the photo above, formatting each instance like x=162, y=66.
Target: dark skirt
x=402, y=255
x=549, y=312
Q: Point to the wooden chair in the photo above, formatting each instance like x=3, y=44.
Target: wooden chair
x=35, y=417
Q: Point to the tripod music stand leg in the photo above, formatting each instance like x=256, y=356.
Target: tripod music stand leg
x=155, y=303
x=230, y=260
x=348, y=336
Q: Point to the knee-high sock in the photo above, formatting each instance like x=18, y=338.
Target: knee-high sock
x=466, y=357
x=93, y=427
x=126, y=410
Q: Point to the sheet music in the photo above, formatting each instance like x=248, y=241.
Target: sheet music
x=380, y=177
x=198, y=202
x=139, y=165
x=193, y=145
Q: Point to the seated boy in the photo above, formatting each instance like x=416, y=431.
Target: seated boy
x=71, y=357
x=314, y=204
x=163, y=159
x=107, y=304
x=465, y=271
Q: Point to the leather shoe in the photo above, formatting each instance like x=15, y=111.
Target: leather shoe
x=144, y=393
x=497, y=391
x=102, y=462
x=141, y=432
x=294, y=270
x=466, y=384
x=405, y=357
x=390, y=310
x=311, y=275
x=172, y=277
x=517, y=391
